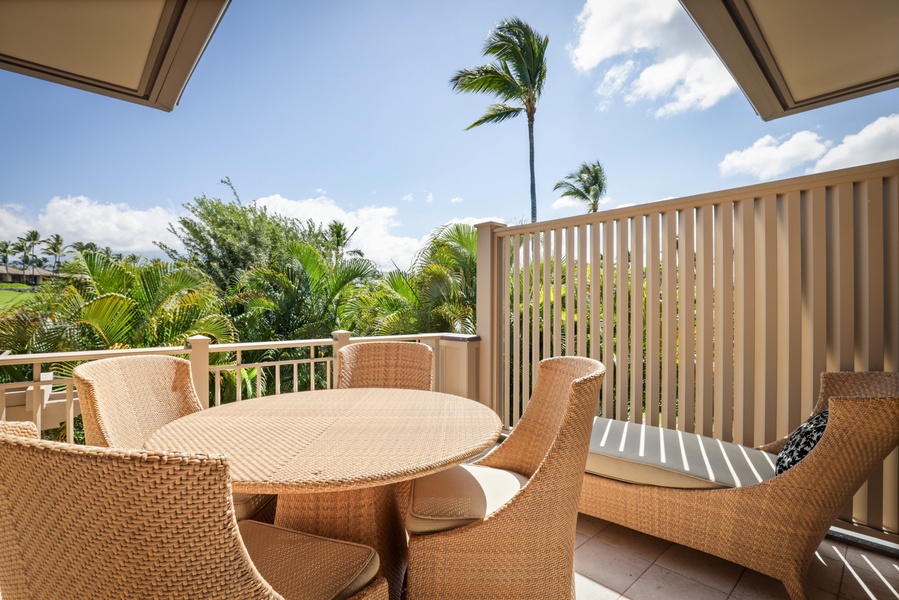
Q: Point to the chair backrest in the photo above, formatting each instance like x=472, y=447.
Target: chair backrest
x=88, y=522
x=19, y=428
x=562, y=406
x=406, y=365
x=125, y=399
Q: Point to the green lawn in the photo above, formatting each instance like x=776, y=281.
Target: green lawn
x=8, y=298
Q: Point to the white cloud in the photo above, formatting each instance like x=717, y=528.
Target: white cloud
x=564, y=202
x=408, y=198
x=14, y=224
x=877, y=141
x=375, y=223
x=455, y=200
x=122, y=228
x=475, y=220
x=429, y=198
x=769, y=157
x=675, y=67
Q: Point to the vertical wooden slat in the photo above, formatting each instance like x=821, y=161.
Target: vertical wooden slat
x=705, y=350
x=814, y=297
x=525, y=322
x=724, y=321
x=841, y=284
x=891, y=336
x=536, y=321
x=638, y=355
x=789, y=314
x=517, y=368
x=570, y=293
x=548, y=298
x=669, y=320
x=557, y=292
x=608, y=312
x=508, y=359
x=622, y=331
x=581, y=290
x=595, y=291
x=766, y=359
x=653, y=323
x=744, y=320
x=686, y=321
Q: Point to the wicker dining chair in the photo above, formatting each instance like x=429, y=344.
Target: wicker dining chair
x=88, y=522
x=124, y=400
x=406, y=365
x=503, y=526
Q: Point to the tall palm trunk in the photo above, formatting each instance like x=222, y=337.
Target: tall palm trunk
x=533, y=177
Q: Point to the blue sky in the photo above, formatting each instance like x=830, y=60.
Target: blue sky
x=343, y=110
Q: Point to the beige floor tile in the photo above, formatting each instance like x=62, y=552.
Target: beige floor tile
x=580, y=539
x=871, y=585
x=860, y=558
x=830, y=548
x=608, y=566
x=590, y=526
x=658, y=583
x=587, y=589
x=755, y=586
x=825, y=574
x=645, y=546
x=710, y=570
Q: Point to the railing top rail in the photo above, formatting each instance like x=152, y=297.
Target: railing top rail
x=890, y=167
x=49, y=357
x=269, y=345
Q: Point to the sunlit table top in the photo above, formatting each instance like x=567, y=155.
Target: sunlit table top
x=331, y=440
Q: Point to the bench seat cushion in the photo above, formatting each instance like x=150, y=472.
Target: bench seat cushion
x=647, y=455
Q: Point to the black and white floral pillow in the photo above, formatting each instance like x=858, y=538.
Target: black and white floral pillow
x=801, y=442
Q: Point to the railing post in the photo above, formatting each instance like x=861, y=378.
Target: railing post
x=199, y=366
x=341, y=338
x=457, y=368
x=489, y=319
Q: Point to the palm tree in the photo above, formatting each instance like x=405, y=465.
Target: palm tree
x=56, y=248
x=517, y=75
x=588, y=185
x=6, y=250
x=29, y=241
x=337, y=241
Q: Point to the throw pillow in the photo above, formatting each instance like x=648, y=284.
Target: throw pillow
x=801, y=442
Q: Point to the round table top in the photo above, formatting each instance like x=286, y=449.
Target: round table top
x=330, y=440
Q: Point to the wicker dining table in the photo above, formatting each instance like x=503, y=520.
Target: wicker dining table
x=335, y=457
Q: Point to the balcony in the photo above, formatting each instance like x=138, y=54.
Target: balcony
x=713, y=314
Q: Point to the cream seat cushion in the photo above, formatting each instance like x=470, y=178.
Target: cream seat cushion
x=302, y=565
x=459, y=496
x=642, y=454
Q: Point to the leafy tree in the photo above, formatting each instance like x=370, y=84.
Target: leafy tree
x=438, y=293
x=113, y=304
x=588, y=185
x=55, y=248
x=517, y=75
x=299, y=298
x=28, y=243
x=7, y=250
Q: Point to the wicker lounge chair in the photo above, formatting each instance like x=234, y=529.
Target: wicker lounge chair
x=519, y=541
x=88, y=522
x=406, y=365
x=126, y=399
x=775, y=526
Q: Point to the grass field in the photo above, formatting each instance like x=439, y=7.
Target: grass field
x=8, y=298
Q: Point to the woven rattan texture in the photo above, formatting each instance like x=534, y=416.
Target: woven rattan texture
x=773, y=527
x=19, y=428
x=88, y=522
x=406, y=365
x=125, y=399
x=330, y=440
x=526, y=548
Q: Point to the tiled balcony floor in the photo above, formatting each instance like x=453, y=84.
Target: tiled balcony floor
x=612, y=563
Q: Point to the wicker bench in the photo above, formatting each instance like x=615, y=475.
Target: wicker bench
x=770, y=523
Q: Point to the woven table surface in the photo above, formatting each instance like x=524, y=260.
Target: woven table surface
x=330, y=440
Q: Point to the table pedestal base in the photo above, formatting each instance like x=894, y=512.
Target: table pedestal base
x=367, y=516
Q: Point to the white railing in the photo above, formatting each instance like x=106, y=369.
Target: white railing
x=50, y=401
x=713, y=314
